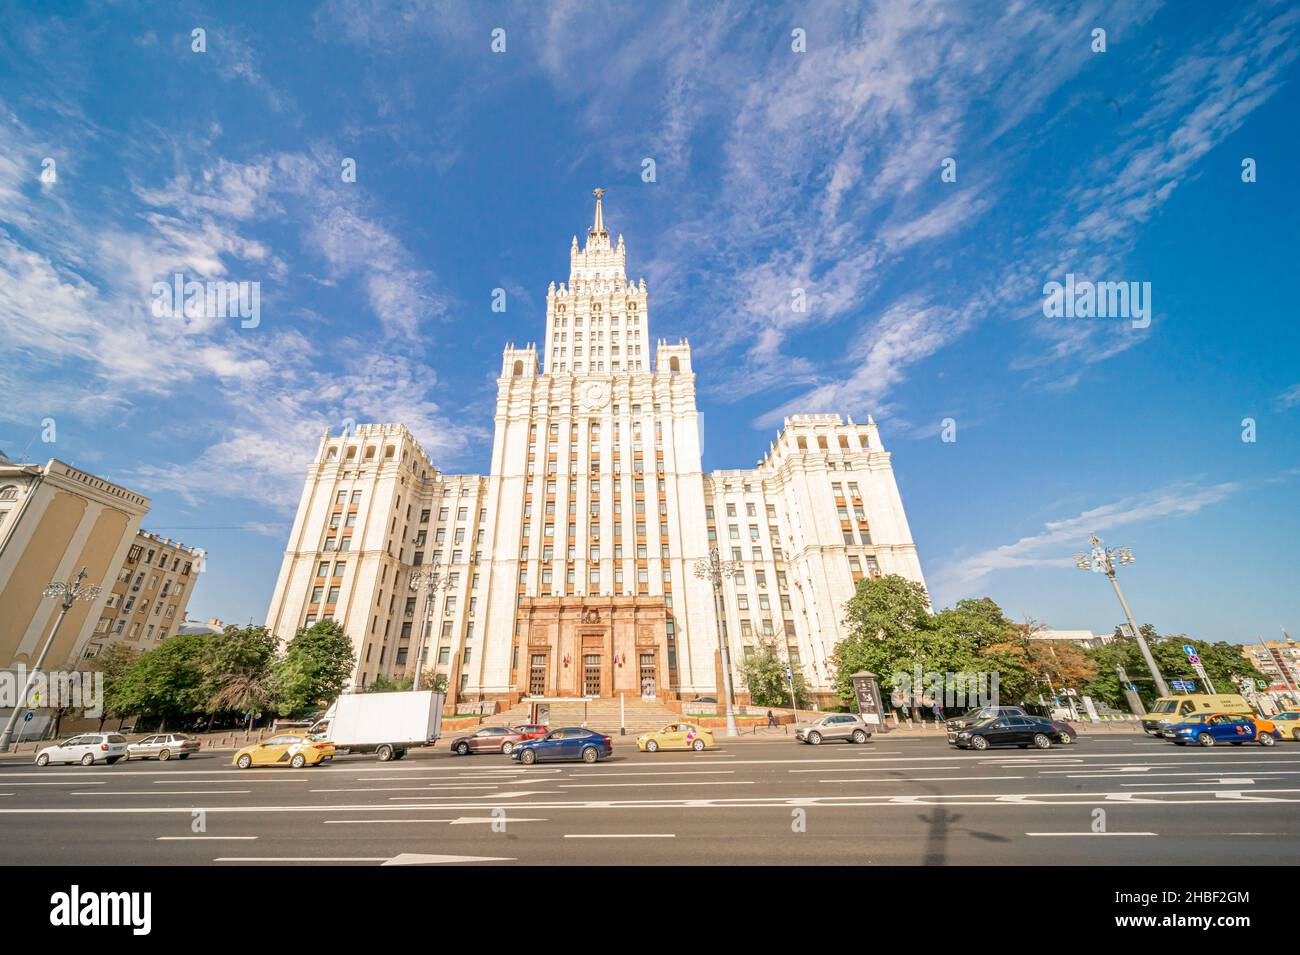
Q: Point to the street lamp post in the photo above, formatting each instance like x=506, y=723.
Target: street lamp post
x=68, y=593
x=1101, y=560
x=430, y=581
x=713, y=570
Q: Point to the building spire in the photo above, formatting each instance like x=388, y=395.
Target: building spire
x=598, y=228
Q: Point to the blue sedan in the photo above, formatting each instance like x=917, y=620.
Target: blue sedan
x=567, y=742
x=1209, y=729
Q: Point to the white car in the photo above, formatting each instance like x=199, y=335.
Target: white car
x=85, y=749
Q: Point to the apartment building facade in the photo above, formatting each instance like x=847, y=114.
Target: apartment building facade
x=570, y=568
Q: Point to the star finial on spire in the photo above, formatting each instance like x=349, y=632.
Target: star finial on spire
x=598, y=228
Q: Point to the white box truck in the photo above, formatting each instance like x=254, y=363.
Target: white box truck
x=386, y=724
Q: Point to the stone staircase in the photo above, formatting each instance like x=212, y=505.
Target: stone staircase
x=640, y=716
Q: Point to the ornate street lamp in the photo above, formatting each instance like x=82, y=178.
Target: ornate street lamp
x=1102, y=560
x=714, y=570
x=430, y=581
x=67, y=593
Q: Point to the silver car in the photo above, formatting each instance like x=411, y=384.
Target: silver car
x=846, y=726
x=86, y=749
x=163, y=746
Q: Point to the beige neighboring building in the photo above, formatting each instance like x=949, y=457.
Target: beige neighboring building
x=1080, y=638
x=1279, y=660
x=570, y=567
x=148, y=598
x=54, y=520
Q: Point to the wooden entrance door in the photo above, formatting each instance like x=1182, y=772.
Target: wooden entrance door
x=591, y=674
x=647, y=669
x=537, y=675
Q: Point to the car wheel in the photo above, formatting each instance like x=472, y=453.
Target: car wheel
x=164, y=756
x=1205, y=739
x=1295, y=734
x=1042, y=741
x=462, y=749
x=859, y=736
x=244, y=761
x=507, y=747
x=1066, y=739
x=589, y=755
x=651, y=746
x=528, y=757
x=298, y=761
x=384, y=752
x=979, y=742
x=815, y=739
x=698, y=745
x=88, y=759
x=43, y=759
x=1266, y=739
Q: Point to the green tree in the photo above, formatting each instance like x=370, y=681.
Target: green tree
x=383, y=684
x=238, y=671
x=763, y=673
x=166, y=682
x=315, y=668
x=1222, y=661
x=114, y=661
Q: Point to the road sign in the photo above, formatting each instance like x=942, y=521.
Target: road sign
x=1189, y=649
x=28, y=716
x=789, y=675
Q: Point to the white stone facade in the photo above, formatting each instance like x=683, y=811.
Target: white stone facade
x=596, y=494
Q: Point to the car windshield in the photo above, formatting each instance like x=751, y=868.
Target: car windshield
x=1164, y=706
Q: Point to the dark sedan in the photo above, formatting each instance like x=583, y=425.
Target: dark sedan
x=567, y=742
x=1022, y=731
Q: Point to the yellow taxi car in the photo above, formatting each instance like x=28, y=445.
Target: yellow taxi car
x=1287, y=724
x=676, y=736
x=286, y=749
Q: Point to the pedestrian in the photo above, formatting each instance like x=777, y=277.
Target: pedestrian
x=937, y=709
x=771, y=720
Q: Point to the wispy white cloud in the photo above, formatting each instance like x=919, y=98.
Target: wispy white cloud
x=1054, y=544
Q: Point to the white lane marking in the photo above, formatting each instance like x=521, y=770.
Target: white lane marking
x=620, y=835
x=400, y=789
x=485, y=796
x=1232, y=781
x=165, y=792
x=729, y=782
x=917, y=779
x=691, y=772
x=9, y=782
x=415, y=858
x=301, y=859
x=206, y=838
x=1183, y=797
x=878, y=769
x=1203, y=773
x=476, y=820
x=1091, y=833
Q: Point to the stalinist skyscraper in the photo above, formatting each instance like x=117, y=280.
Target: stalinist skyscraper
x=569, y=570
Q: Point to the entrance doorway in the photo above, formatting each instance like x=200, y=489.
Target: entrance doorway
x=648, y=688
x=591, y=674
x=537, y=675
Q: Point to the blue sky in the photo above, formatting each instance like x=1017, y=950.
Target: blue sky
x=774, y=170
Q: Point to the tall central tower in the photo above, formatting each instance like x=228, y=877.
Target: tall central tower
x=597, y=323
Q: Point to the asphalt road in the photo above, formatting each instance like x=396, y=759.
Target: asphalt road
x=891, y=801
